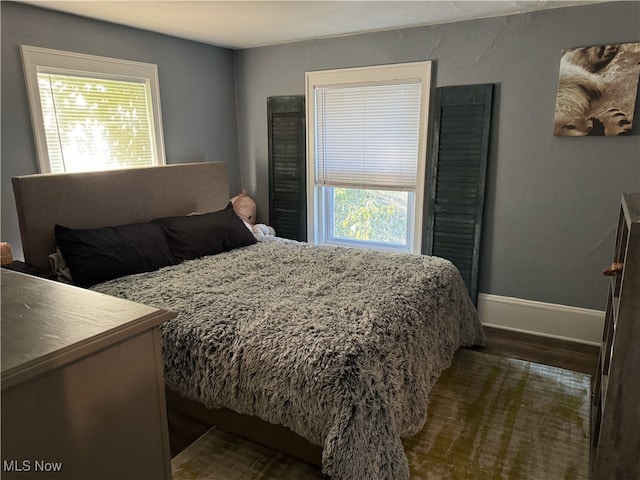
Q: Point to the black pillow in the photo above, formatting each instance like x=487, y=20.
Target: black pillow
x=195, y=236
x=96, y=255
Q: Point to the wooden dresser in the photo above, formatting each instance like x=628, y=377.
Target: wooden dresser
x=82, y=384
x=615, y=409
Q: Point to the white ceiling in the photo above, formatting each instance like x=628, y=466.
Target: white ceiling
x=244, y=24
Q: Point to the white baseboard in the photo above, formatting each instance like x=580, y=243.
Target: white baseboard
x=574, y=324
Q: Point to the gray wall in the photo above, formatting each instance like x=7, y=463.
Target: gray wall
x=552, y=203
x=197, y=92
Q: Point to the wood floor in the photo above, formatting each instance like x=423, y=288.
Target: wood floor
x=548, y=351
x=571, y=356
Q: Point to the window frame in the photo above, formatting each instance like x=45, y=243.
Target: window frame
x=318, y=230
x=72, y=63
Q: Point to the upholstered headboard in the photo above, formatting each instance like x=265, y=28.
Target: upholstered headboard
x=115, y=197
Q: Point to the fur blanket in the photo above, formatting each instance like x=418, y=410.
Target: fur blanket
x=340, y=345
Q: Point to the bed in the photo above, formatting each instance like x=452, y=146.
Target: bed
x=336, y=348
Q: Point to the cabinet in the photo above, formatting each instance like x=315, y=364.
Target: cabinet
x=82, y=384
x=615, y=409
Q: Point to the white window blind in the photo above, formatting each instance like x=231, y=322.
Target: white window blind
x=97, y=124
x=368, y=136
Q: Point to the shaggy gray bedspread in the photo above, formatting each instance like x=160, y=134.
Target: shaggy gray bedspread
x=340, y=345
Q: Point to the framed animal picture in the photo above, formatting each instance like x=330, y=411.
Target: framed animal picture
x=597, y=89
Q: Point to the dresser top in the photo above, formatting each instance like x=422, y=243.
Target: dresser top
x=46, y=324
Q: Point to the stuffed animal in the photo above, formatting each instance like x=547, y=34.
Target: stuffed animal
x=245, y=208
x=262, y=230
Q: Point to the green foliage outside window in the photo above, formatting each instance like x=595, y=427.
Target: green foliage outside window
x=370, y=215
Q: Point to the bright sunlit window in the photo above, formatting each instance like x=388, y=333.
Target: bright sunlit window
x=92, y=113
x=366, y=155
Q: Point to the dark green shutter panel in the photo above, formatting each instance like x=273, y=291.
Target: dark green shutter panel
x=287, y=167
x=458, y=168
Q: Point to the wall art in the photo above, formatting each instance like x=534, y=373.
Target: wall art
x=597, y=89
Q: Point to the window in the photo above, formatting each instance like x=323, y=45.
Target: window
x=92, y=113
x=367, y=154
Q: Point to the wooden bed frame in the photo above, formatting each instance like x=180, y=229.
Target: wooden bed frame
x=117, y=197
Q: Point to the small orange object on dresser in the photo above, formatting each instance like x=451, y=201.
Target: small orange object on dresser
x=5, y=253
